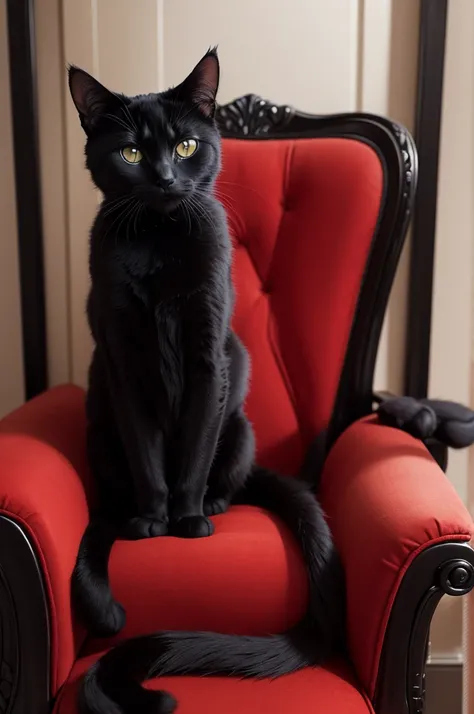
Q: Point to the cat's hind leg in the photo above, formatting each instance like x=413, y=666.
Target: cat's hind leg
x=236, y=447
x=232, y=463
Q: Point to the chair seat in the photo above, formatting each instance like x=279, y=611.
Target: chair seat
x=328, y=690
x=247, y=578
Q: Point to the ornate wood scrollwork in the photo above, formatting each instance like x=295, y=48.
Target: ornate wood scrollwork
x=251, y=115
x=407, y=154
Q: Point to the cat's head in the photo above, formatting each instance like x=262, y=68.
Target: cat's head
x=160, y=148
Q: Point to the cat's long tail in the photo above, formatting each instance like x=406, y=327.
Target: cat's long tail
x=113, y=684
x=90, y=589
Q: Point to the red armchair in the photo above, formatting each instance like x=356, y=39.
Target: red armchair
x=318, y=208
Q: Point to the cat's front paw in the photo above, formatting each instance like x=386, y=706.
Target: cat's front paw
x=215, y=506
x=143, y=527
x=192, y=527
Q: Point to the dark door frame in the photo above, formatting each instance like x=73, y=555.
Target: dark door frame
x=21, y=32
x=22, y=60
x=431, y=54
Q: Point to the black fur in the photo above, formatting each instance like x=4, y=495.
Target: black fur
x=168, y=441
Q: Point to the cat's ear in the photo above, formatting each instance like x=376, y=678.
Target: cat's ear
x=202, y=84
x=91, y=98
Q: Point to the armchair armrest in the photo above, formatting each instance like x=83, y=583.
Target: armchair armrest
x=387, y=501
x=43, y=513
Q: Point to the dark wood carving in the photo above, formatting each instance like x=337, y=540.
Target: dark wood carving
x=251, y=116
x=409, y=156
x=443, y=569
x=25, y=643
x=8, y=646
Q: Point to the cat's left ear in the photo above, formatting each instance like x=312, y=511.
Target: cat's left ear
x=202, y=84
x=91, y=98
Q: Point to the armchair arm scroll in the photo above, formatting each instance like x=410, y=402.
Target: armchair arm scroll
x=387, y=502
x=43, y=514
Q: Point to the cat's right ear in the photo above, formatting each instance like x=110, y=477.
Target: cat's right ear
x=91, y=98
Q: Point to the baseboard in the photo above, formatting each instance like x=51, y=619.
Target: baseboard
x=444, y=686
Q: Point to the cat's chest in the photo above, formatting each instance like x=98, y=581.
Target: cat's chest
x=165, y=273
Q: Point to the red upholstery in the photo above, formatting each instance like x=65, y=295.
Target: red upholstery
x=330, y=690
x=248, y=578
x=303, y=214
x=387, y=500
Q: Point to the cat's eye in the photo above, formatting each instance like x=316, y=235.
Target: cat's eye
x=131, y=155
x=186, y=148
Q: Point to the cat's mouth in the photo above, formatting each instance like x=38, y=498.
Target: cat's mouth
x=161, y=201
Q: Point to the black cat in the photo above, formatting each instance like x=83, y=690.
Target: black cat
x=168, y=442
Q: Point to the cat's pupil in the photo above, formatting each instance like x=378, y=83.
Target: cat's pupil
x=186, y=148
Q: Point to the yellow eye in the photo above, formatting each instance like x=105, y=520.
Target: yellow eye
x=131, y=155
x=186, y=148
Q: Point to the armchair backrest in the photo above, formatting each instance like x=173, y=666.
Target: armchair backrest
x=318, y=210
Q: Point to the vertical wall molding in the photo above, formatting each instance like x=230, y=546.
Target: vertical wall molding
x=21, y=40
x=51, y=82
x=160, y=45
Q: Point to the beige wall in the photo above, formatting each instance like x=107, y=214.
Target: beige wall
x=11, y=360
x=450, y=364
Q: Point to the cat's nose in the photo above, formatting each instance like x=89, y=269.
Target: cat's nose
x=165, y=182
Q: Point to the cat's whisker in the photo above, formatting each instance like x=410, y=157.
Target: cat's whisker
x=137, y=217
x=120, y=121
x=233, y=215
x=125, y=222
x=245, y=187
x=111, y=208
x=201, y=193
x=128, y=113
x=187, y=211
x=197, y=210
x=185, y=114
x=205, y=213
x=112, y=201
x=130, y=219
x=192, y=211
x=122, y=210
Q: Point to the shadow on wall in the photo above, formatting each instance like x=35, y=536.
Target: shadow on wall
x=401, y=91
